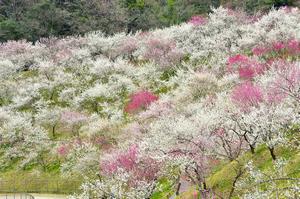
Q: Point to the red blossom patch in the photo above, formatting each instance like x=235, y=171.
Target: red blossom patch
x=140, y=100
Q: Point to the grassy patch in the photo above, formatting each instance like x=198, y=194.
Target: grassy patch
x=37, y=182
x=222, y=178
x=165, y=190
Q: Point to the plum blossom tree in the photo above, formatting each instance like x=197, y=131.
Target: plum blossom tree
x=74, y=120
x=270, y=122
x=247, y=67
x=125, y=174
x=140, y=100
x=162, y=51
x=255, y=185
x=20, y=140
x=50, y=118
x=247, y=95
x=288, y=81
x=81, y=157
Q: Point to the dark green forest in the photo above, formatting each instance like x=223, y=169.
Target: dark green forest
x=34, y=19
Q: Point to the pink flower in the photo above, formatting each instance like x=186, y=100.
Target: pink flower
x=231, y=11
x=63, y=150
x=246, y=67
x=15, y=47
x=277, y=46
x=128, y=159
x=121, y=159
x=140, y=100
x=61, y=55
x=259, y=50
x=157, y=109
x=102, y=141
x=109, y=167
x=146, y=170
x=246, y=72
x=237, y=59
x=293, y=46
x=288, y=81
x=260, y=68
x=198, y=20
x=246, y=95
x=195, y=194
x=144, y=34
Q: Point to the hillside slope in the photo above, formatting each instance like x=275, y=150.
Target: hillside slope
x=203, y=108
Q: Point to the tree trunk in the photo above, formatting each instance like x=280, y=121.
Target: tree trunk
x=53, y=131
x=178, y=189
x=239, y=174
x=252, y=148
x=204, y=185
x=272, y=152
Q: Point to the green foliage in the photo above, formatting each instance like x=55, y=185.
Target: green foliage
x=33, y=19
x=252, y=6
x=166, y=189
x=45, y=19
x=10, y=30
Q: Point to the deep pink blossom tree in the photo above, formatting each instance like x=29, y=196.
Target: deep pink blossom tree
x=246, y=67
x=246, y=72
x=140, y=100
x=277, y=46
x=278, y=49
x=237, y=59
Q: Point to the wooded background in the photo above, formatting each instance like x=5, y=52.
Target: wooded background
x=33, y=19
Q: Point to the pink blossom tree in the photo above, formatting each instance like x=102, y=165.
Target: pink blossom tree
x=140, y=100
x=247, y=95
x=246, y=67
x=138, y=168
x=128, y=47
x=162, y=51
x=74, y=120
x=198, y=20
x=288, y=81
